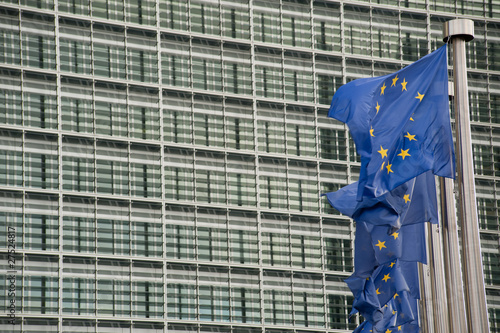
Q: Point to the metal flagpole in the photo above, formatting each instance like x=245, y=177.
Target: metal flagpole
x=439, y=304
x=451, y=254
x=459, y=32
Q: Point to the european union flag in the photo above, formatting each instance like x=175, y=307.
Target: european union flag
x=412, y=202
x=400, y=124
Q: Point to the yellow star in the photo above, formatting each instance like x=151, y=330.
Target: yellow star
x=404, y=153
x=411, y=118
x=392, y=264
x=394, y=81
x=388, y=331
x=393, y=312
x=377, y=107
x=388, y=167
x=406, y=197
x=382, y=152
x=371, y=132
x=378, y=292
x=382, y=89
x=395, y=235
x=410, y=137
x=396, y=295
x=399, y=328
x=403, y=84
x=420, y=96
x=386, y=277
x=380, y=245
x=382, y=167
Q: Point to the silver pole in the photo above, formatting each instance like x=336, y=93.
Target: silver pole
x=460, y=31
x=451, y=253
x=425, y=310
x=439, y=304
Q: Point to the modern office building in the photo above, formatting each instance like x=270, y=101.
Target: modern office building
x=161, y=161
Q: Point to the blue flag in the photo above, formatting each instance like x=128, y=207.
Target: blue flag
x=400, y=124
x=412, y=202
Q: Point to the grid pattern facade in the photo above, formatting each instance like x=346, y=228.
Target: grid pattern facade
x=161, y=161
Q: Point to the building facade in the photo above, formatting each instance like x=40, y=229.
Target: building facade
x=161, y=161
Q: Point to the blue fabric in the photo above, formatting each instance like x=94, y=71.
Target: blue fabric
x=400, y=124
x=391, y=208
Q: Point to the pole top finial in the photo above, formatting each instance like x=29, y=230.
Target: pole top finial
x=463, y=28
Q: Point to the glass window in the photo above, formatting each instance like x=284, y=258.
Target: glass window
x=357, y=23
x=271, y=128
x=146, y=229
x=303, y=186
x=266, y=21
x=77, y=114
x=75, y=46
x=39, y=101
x=243, y=242
x=144, y=115
x=182, y=293
x=305, y=243
x=11, y=158
x=142, y=56
x=491, y=258
x=214, y=294
x=338, y=312
x=44, y=4
x=111, y=116
x=327, y=26
x=78, y=225
x=235, y=19
x=245, y=296
x=10, y=53
x=205, y=17
x=112, y=168
x=108, y=9
x=212, y=241
x=78, y=286
x=109, y=51
x=41, y=223
x=81, y=7
x=337, y=245
x=237, y=69
x=113, y=288
x=206, y=65
x=277, y=298
x=328, y=78
x=174, y=14
x=208, y=120
x=11, y=206
x=414, y=36
x=296, y=23
x=180, y=232
x=239, y=124
x=333, y=144
x=40, y=285
x=300, y=131
x=41, y=166
x=10, y=97
x=78, y=164
x=177, y=115
x=298, y=77
x=241, y=180
x=385, y=34
x=273, y=183
x=145, y=171
x=268, y=73
x=113, y=227
x=308, y=302
x=141, y=11
x=210, y=178
x=38, y=41
x=275, y=240
x=179, y=173
x=476, y=50
x=147, y=289
x=175, y=61
x=493, y=45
